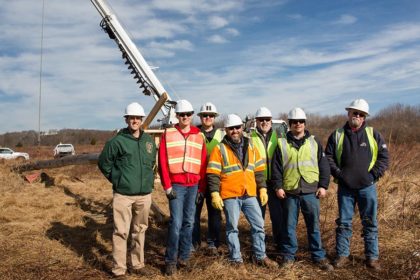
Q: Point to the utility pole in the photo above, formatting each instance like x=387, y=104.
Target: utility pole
x=40, y=78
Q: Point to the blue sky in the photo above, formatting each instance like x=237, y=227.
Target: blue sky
x=238, y=54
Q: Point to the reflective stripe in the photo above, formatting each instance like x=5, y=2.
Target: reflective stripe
x=184, y=154
x=266, y=154
x=339, y=139
x=299, y=163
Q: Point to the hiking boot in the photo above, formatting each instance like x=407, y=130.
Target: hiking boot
x=238, y=265
x=141, y=271
x=266, y=262
x=324, y=264
x=341, y=262
x=373, y=264
x=287, y=263
x=212, y=251
x=183, y=263
x=170, y=269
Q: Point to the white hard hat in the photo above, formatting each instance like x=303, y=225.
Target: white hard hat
x=296, y=114
x=208, y=107
x=134, y=109
x=232, y=120
x=263, y=112
x=359, y=105
x=183, y=106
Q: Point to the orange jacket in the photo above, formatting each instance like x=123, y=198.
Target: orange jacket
x=236, y=179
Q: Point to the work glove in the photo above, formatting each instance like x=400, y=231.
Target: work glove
x=170, y=193
x=199, y=198
x=216, y=201
x=263, y=196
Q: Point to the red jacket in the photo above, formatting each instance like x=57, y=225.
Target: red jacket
x=185, y=179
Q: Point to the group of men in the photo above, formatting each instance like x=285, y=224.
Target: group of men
x=233, y=172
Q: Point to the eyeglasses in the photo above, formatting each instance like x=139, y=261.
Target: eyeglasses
x=264, y=119
x=135, y=118
x=297, y=121
x=188, y=114
x=238, y=127
x=358, y=114
x=207, y=116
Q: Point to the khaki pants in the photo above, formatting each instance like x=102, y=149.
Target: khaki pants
x=129, y=211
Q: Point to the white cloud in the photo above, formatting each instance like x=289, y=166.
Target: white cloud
x=217, y=39
x=216, y=22
x=346, y=19
x=232, y=31
x=295, y=16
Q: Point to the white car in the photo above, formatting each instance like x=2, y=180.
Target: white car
x=7, y=153
x=62, y=150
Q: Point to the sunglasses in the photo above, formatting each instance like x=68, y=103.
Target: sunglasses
x=358, y=114
x=238, y=127
x=297, y=121
x=135, y=118
x=207, y=116
x=188, y=114
x=264, y=119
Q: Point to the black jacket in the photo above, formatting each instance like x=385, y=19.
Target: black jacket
x=356, y=157
x=304, y=187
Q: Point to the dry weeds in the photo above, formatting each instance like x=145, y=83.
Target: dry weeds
x=61, y=229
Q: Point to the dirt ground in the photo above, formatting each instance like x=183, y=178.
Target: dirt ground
x=60, y=227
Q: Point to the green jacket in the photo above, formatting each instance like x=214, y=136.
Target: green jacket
x=128, y=162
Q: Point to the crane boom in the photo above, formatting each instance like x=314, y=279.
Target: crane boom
x=137, y=64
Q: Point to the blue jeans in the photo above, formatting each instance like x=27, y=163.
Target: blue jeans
x=367, y=202
x=251, y=209
x=182, y=210
x=214, y=217
x=309, y=205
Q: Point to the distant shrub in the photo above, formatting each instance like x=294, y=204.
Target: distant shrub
x=93, y=141
x=19, y=145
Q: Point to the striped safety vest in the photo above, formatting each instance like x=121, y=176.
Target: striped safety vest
x=218, y=136
x=235, y=179
x=268, y=153
x=184, y=154
x=339, y=139
x=299, y=163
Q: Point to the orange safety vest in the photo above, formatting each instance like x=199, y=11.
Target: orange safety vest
x=184, y=154
x=235, y=179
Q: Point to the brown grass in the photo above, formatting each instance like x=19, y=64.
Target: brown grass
x=63, y=231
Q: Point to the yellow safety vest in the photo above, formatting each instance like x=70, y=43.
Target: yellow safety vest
x=266, y=154
x=299, y=163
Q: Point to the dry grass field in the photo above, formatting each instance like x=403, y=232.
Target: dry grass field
x=60, y=228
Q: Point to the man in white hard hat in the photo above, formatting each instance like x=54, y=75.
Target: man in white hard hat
x=358, y=157
x=235, y=175
x=301, y=176
x=212, y=136
x=127, y=161
x=182, y=169
x=264, y=139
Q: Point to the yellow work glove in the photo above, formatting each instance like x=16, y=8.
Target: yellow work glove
x=216, y=201
x=263, y=196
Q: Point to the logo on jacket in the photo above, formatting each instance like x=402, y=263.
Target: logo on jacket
x=363, y=144
x=149, y=147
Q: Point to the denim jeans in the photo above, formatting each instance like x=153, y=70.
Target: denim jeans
x=367, y=202
x=214, y=217
x=182, y=210
x=252, y=211
x=309, y=205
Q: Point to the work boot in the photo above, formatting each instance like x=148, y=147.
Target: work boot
x=144, y=271
x=170, y=269
x=341, y=262
x=183, y=263
x=119, y=277
x=238, y=265
x=287, y=263
x=212, y=251
x=373, y=264
x=324, y=264
x=266, y=262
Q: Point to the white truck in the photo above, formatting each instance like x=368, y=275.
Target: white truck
x=62, y=150
x=7, y=153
